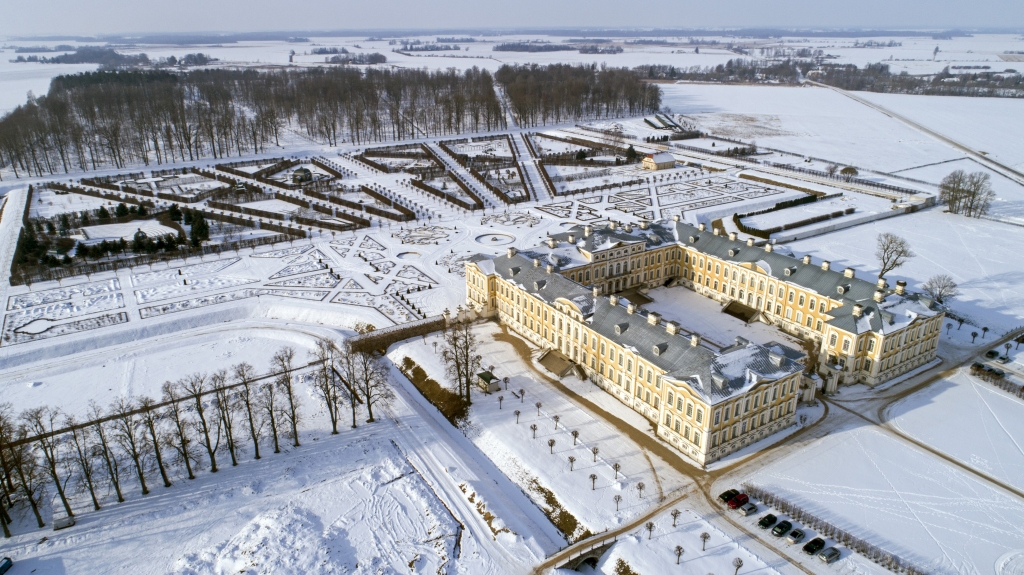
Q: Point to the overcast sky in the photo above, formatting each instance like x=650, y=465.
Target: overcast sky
x=97, y=17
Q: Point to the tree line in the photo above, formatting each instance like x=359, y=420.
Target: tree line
x=197, y=422
x=562, y=92
x=116, y=118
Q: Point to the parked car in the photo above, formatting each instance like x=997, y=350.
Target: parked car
x=767, y=521
x=739, y=501
x=992, y=353
x=728, y=495
x=796, y=536
x=748, y=509
x=782, y=528
x=814, y=545
x=5, y=565
x=829, y=555
x=1004, y=359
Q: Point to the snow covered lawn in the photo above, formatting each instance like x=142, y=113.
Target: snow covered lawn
x=862, y=203
x=982, y=256
x=47, y=203
x=126, y=230
x=655, y=552
x=989, y=434
x=543, y=472
x=900, y=498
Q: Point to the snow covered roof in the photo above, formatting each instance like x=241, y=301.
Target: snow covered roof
x=715, y=375
x=536, y=280
x=662, y=158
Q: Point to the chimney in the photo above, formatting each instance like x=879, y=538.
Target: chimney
x=549, y=268
x=768, y=248
x=702, y=227
x=587, y=230
x=858, y=310
x=511, y=252
x=672, y=327
x=676, y=218
x=732, y=236
x=825, y=265
x=613, y=299
x=572, y=238
x=643, y=224
x=628, y=228
x=597, y=291
x=882, y=284
x=807, y=260
x=849, y=272
x=653, y=318
x=750, y=242
x=552, y=243
x=536, y=262
x=716, y=231
x=612, y=225
x=901, y=287
x=631, y=308
x=879, y=295
x=694, y=340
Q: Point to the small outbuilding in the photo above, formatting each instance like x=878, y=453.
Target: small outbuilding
x=659, y=161
x=302, y=175
x=488, y=382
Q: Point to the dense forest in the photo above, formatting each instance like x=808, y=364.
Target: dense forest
x=561, y=92
x=117, y=118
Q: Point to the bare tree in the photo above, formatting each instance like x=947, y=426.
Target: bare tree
x=126, y=433
x=737, y=563
x=704, y=540
x=892, y=252
x=831, y=169
x=30, y=474
x=375, y=386
x=42, y=422
x=675, y=516
x=326, y=383
x=679, y=553
x=283, y=360
x=243, y=375
x=110, y=461
x=149, y=418
x=967, y=194
x=195, y=386
x=941, y=287
x=572, y=462
x=268, y=402
x=226, y=410
x=182, y=442
x=83, y=456
x=649, y=526
x=617, y=499
x=350, y=365
x=460, y=356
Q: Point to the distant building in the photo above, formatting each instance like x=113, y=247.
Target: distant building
x=659, y=161
x=488, y=382
x=302, y=175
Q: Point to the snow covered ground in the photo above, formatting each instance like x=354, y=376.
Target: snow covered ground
x=126, y=230
x=530, y=462
x=989, y=435
x=901, y=498
x=982, y=256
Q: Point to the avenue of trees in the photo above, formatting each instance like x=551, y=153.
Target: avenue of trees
x=201, y=421
x=117, y=118
x=565, y=93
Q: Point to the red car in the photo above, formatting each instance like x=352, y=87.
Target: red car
x=738, y=501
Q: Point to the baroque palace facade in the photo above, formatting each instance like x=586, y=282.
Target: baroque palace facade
x=705, y=400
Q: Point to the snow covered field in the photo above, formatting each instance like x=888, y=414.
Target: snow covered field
x=989, y=435
x=982, y=256
x=126, y=230
x=902, y=499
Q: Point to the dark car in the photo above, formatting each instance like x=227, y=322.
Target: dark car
x=738, y=501
x=796, y=536
x=782, y=528
x=767, y=521
x=5, y=565
x=814, y=545
x=992, y=353
x=728, y=495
